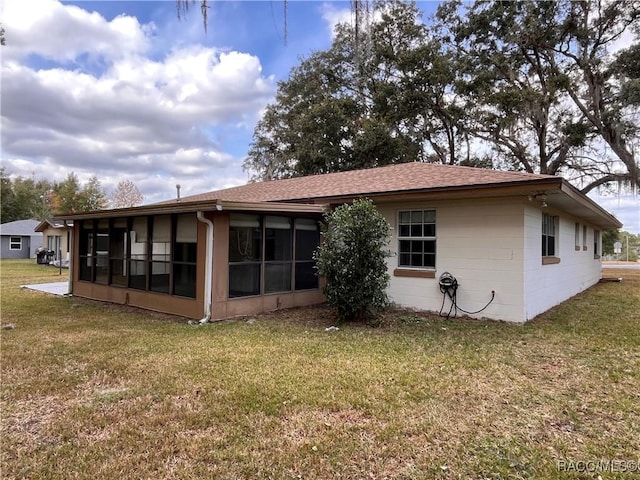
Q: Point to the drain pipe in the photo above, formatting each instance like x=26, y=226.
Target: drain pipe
x=70, y=247
x=208, y=274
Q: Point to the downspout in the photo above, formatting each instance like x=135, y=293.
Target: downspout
x=208, y=275
x=70, y=246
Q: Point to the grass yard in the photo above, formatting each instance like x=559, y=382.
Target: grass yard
x=97, y=391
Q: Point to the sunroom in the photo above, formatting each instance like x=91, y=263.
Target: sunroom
x=207, y=263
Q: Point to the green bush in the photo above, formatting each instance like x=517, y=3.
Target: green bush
x=352, y=259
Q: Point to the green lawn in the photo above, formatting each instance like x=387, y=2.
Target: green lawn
x=97, y=391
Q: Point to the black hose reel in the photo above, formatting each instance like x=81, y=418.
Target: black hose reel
x=449, y=288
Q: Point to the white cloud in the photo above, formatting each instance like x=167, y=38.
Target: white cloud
x=64, y=32
x=333, y=16
x=152, y=120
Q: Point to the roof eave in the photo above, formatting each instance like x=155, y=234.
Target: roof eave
x=190, y=207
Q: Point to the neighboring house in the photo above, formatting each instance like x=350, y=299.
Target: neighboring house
x=534, y=240
x=19, y=240
x=56, y=237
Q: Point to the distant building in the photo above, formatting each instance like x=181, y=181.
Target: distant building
x=19, y=239
x=56, y=237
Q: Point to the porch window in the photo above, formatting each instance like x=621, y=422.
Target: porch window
x=15, y=243
x=118, y=252
x=271, y=254
x=102, y=252
x=160, y=253
x=156, y=253
x=277, y=254
x=245, y=255
x=85, y=272
x=185, y=253
x=307, y=239
x=138, y=254
x=417, y=239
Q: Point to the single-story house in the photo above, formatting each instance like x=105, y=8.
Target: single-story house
x=56, y=238
x=526, y=241
x=19, y=240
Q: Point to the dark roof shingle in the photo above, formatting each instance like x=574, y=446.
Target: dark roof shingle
x=393, y=178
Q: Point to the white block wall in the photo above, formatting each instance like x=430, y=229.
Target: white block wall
x=495, y=244
x=549, y=285
x=481, y=243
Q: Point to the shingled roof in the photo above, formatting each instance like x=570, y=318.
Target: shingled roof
x=404, y=177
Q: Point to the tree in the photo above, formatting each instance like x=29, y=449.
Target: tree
x=70, y=197
x=125, y=195
x=384, y=99
x=352, y=258
x=25, y=198
x=539, y=86
x=92, y=196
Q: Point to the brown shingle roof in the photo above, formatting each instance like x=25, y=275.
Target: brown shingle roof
x=393, y=178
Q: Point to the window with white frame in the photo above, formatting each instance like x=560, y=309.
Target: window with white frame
x=417, y=239
x=577, y=236
x=15, y=243
x=584, y=237
x=596, y=244
x=549, y=235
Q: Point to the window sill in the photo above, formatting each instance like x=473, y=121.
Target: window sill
x=577, y=248
x=550, y=260
x=584, y=249
x=404, y=272
x=596, y=257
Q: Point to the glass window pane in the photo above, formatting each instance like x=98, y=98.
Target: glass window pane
x=416, y=216
x=160, y=277
x=185, y=252
x=405, y=217
x=277, y=277
x=405, y=260
x=85, y=268
x=187, y=228
x=430, y=260
x=429, y=246
x=119, y=272
x=244, y=280
x=245, y=244
x=184, y=280
x=138, y=274
x=306, y=224
x=430, y=230
x=277, y=244
x=404, y=230
x=416, y=230
x=416, y=246
x=405, y=246
x=429, y=216
x=244, y=220
x=102, y=267
x=139, y=230
x=416, y=259
x=306, y=277
x=306, y=243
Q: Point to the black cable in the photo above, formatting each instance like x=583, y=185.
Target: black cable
x=449, y=288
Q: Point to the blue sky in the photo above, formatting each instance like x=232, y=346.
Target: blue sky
x=126, y=90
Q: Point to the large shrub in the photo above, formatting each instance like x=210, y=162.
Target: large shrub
x=351, y=257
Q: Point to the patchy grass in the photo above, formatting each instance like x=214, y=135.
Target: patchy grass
x=91, y=390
